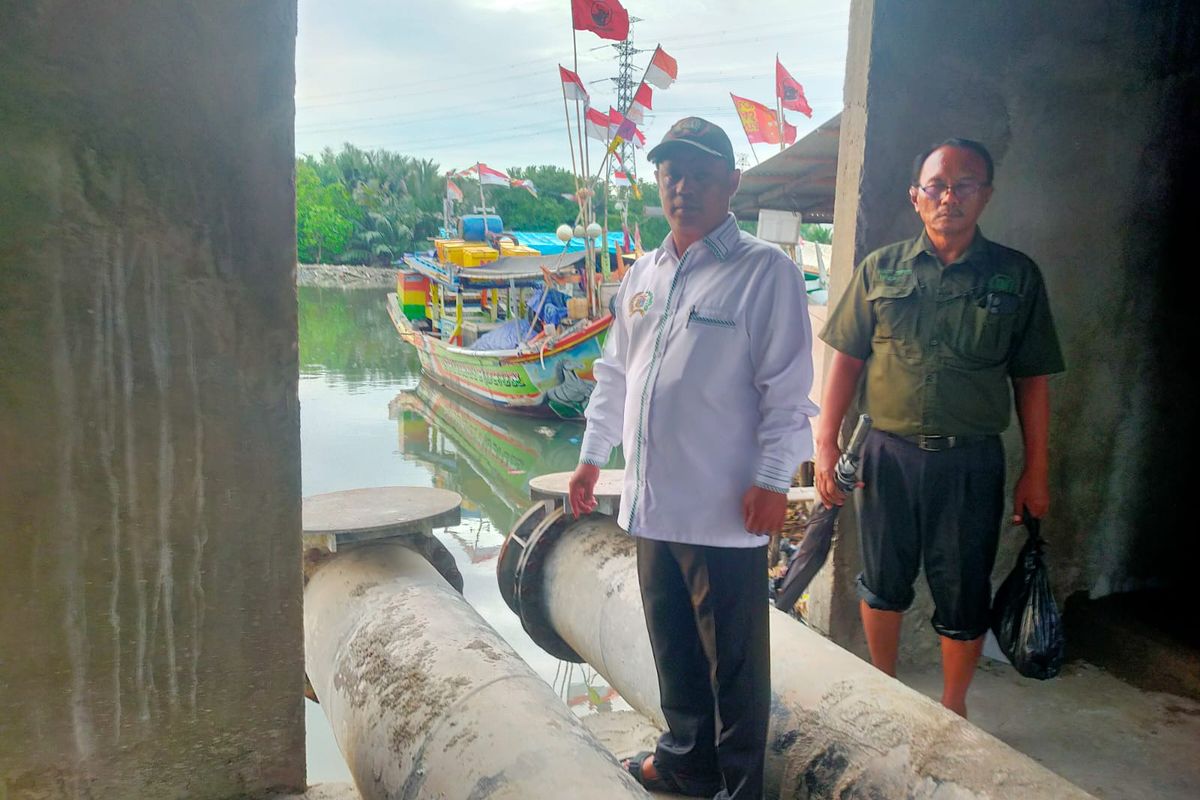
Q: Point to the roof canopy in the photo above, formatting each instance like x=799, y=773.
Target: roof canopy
x=801, y=178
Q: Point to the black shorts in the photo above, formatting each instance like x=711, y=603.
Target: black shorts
x=938, y=509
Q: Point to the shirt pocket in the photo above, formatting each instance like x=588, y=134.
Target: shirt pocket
x=896, y=309
x=982, y=326
x=702, y=317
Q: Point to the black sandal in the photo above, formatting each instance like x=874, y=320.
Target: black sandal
x=664, y=781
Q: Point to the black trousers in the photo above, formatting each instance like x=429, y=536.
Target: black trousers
x=941, y=510
x=706, y=610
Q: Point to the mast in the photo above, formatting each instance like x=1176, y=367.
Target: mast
x=589, y=259
x=482, y=199
x=782, y=122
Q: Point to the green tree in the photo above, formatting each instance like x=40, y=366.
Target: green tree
x=324, y=216
x=817, y=232
x=521, y=211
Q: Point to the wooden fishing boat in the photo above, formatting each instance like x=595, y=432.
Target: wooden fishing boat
x=453, y=313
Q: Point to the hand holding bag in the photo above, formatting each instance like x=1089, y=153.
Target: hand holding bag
x=1025, y=617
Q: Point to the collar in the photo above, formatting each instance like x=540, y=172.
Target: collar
x=974, y=252
x=720, y=240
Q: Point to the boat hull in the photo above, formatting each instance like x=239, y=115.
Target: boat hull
x=555, y=384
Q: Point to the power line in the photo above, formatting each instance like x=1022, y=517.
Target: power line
x=680, y=43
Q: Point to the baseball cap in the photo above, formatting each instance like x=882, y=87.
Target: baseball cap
x=694, y=132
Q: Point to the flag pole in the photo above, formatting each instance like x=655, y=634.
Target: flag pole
x=782, y=124
x=779, y=109
x=570, y=141
x=483, y=198
x=589, y=259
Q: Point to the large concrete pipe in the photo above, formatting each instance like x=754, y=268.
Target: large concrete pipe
x=427, y=701
x=839, y=727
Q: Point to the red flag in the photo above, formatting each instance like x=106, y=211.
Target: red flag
x=663, y=69
x=789, y=91
x=757, y=120
x=641, y=103
x=789, y=133
x=572, y=85
x=608, y=19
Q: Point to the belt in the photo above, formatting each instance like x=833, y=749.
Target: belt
x=935, y=442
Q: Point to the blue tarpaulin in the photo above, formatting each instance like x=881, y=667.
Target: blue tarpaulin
x=548, y=243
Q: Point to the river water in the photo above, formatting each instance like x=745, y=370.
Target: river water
x=366, y=419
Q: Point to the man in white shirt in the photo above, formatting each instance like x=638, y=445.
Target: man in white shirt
x=704, y=381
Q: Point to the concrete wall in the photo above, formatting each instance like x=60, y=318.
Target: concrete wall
x=1088, y=109
x=150, y=631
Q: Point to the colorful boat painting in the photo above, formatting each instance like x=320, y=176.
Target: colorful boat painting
x=549, y=376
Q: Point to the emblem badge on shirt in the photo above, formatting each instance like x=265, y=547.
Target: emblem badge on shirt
x=641, y=303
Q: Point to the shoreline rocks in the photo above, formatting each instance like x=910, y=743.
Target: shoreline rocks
x=345, y=276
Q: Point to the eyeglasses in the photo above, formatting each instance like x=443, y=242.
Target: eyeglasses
x=937, y=190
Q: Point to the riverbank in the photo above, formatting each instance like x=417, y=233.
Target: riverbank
x=345, y=276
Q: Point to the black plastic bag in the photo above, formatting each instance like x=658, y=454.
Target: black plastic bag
x=1025, y=617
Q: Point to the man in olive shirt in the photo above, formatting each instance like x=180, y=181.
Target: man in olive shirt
x=944, y=324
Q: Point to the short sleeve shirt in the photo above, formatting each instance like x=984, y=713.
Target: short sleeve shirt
x=942, y=342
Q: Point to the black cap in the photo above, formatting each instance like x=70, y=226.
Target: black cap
x=694, y=132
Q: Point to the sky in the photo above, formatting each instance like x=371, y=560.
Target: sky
x=461, y=81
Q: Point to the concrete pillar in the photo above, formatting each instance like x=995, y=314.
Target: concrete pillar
x=1087, y=110
x=839, y=727
x=426, y=699
x=150, y=639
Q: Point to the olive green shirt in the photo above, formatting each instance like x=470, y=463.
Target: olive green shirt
x=942, y=342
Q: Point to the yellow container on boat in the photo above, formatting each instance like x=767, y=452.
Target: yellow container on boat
x=577, y=307
x=478, y=256
x=441, y=244
x=509, y=249
x=454, y=252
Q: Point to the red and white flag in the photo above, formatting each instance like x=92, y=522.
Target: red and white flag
x=789, y=91
x=595, y=125
x=641, y=103
x=486, y=175
x=663, y=69
x=620, y=179
x=608, y=19
x=573, y=87
x=758, y=121
x=525, y=184
x=453, y=192
x=639, y=139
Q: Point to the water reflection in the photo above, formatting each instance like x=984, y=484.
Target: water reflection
x=367, y=420
x=347, y=333
x=486, y=456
